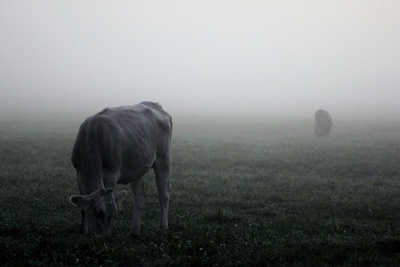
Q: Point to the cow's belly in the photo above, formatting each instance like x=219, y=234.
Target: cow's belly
x=129, y=174
x=136, y=162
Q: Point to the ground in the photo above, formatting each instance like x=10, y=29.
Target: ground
x=249, y=191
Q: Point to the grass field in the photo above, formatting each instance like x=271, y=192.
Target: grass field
x=246, y=192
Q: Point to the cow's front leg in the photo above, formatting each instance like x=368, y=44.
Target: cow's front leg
x=83, y=229
x=138, y=204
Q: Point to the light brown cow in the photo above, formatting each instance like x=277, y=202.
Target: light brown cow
x=120, y=145
x=323, y=123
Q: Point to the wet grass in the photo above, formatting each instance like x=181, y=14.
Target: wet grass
x=245, y=193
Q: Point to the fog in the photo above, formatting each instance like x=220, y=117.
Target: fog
x=269, y=58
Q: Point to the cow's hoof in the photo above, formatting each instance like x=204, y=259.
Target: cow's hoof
x=83, y=231
x=135, y=234
x=163, y=227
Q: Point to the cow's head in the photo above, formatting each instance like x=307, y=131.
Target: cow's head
x=100, y=208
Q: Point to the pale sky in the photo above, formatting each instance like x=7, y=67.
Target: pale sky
x=251, y=56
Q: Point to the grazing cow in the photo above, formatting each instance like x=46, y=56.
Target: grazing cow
x=323, y=123
x=120, y=145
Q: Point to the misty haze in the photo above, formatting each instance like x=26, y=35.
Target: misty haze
x=254, y=57
x=285, y=142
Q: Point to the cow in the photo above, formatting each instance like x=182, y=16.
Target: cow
x=323, y=123
x=119, y=146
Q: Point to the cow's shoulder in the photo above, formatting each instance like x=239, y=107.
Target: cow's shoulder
x=97, y=127
x=155, y=108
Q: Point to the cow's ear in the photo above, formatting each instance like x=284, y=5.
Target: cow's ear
x=81, y=201
x=119, y=195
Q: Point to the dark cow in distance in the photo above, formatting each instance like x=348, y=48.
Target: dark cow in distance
x=120, y=145
x=323, y=123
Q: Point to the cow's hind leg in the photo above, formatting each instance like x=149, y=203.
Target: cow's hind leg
x=162, y=169
x=138, y=204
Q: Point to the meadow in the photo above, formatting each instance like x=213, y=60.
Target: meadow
x=251, y=191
